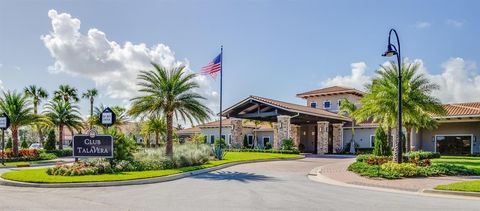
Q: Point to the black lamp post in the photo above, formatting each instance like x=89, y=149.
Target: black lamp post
x=392, y=50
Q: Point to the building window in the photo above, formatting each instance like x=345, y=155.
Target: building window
x=230, y=139
x=223, y=137
x=266, y=141
x=212, y=139
x=205, y=139
x=250, y=139
x=326, y=104
x=313, y=104
x=372, y=141
x=339, y=102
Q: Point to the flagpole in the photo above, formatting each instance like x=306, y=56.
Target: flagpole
x=221, y=70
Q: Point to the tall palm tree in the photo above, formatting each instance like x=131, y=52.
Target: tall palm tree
x=18, y=108
x=37, y=94
x=169, y=92
x=66, y=93
x=380, y=101
x=63, y=114
x=90, y=94
x=156, y=125
x=348, y=108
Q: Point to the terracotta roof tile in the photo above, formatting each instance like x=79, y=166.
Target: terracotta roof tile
x=331, y=91
x=462, y=109
x=189, y=130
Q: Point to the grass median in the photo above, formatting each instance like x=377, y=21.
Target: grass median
x=469, y=162
x=39, y=175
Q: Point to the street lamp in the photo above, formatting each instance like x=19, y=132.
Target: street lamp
x=392, y=50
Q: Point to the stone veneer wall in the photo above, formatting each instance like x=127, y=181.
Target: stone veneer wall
x=282, y=129
x=237, y=133
x=322, y=141
x=337, y=137
x=295, y=134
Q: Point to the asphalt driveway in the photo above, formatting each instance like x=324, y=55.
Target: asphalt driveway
x=276, y=185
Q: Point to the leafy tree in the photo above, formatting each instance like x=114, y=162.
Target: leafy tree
x=19, y=109
x=156, y=125
x=287, y=144
x=381, y=147
x=198, y=139
x=90, y=94
x=381, y=103
x=66, y=93
x=50, y=143
x=24, y=144
x=63, y=114
x=348, y=109
x=37, y=94
x=169, y=92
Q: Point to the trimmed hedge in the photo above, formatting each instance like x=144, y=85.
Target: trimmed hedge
x=420, y=155
x=279, y=151
x=59, y=153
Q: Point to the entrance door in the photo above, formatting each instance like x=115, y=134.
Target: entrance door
x=453, y=144
x=330, y=138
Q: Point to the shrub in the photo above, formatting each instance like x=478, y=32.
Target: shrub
x=61, y=153
x=198, y=139
x=443, y=169
x=24, y=144
x=381, y=147
x=361, y=151
x=280, y=151
x=287, y=144
x=219, y=142
x=373, y=159
x=420, y=155
x=46, y=156
x=50, y=143
x=9, y=143
x=123, y=147
x=183, y=155
x=87, y=167
x=401, y=170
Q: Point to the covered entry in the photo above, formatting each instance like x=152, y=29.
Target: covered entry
x=454, y=144
x=312, y=129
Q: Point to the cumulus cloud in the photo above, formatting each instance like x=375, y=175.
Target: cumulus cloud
x=357, y=79
x=110, y=65
x=455, y=23
x=459, y=80
x=422, y=24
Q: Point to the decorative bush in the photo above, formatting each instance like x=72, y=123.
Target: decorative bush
x=287, y=144
x=219, y=142
x=280, y=151
x=420, y=155
x=24, y=144
x=373, y=159
x=381, y=147
x=60, y=153
x=400, y=170
x=87, y=167
x=46, y=156
x=9, y=143
x=183, y=155
x=50, y=143
x=123, y=147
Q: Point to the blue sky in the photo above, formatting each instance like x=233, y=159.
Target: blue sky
x=273, y=48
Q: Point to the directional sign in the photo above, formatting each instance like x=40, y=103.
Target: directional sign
x=4, y=121
x=107, y=117
x=92, y=146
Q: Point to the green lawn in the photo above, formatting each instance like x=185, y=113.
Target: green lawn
x=18, y=163
x=39, y=175
x=469, y=162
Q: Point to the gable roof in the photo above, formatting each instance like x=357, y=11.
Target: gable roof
x=332, y=90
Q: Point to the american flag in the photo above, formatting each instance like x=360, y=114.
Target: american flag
x=213, y=67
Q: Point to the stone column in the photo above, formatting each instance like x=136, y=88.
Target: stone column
x=295, y=134
x=337, y=137
x=237, y=133
x=322, y=137
x=282, y=128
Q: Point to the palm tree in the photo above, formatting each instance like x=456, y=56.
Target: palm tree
x=120, y=113
x=380, y=101
x=18, y=108
x=90, y=94
x=348, y=108
x=63, y=114
x=66, y=93
x=155, y=124
x=169, y=92
x=37, y=94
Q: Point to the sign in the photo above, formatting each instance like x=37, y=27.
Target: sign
x=107, y=117
x=4, y=121
x=92, y=145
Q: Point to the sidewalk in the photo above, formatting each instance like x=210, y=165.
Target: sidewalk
x=338, y=171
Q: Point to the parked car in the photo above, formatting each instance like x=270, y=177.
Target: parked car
x=35, y=146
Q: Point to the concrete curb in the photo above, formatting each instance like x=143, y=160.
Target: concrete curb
x=152, y=180
x=449, y=192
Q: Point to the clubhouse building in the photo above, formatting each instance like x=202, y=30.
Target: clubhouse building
x=316, y=127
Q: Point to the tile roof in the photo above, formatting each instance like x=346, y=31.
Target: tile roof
x=300, y=108
x=225, y=123
x=462, y=109
x=332, y=90
x=189, y=130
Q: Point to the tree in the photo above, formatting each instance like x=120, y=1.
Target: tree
x=37, y=94
x=120, y=113
x=19, y=109
x=66, y=93
x=50, y=143
x=348, y=109
x=381, y=147
x=24, y=144
x=63, y=114
x=156, y=125
x=380, y=101
x=9, y=143
x=169, y=92
x=90, y=94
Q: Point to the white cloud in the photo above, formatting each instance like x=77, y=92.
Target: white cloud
x=422, y=24
x=455, y=23
x=110, y=65
x=357, y=79
x=459, y=80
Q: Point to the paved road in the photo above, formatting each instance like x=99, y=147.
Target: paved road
x=280, y=185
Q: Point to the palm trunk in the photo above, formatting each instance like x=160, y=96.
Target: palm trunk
x=91, y=112
x=408, y=138
x=60, y=137
x=169, y=148
x=39, y=128
x=15, y=141
x=157, y=138
x=389, y=136
x=397, y=144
